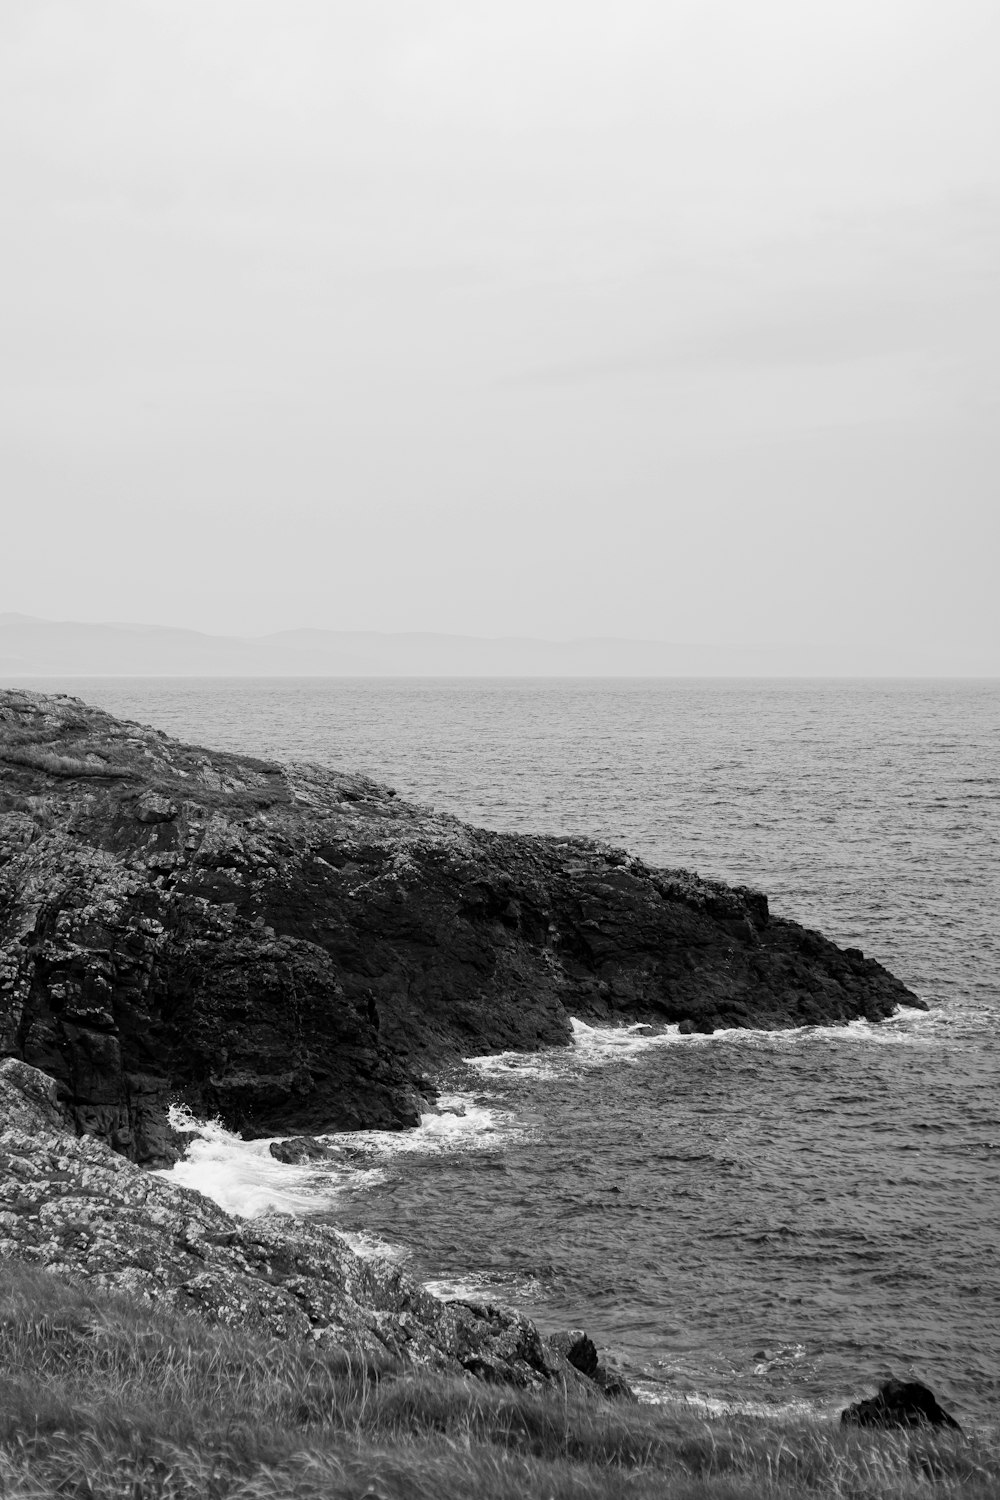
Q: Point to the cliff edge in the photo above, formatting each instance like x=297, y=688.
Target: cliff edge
x=295, y=948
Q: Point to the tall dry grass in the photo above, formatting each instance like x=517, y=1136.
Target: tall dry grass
x=59, y=765
x=104, y=1397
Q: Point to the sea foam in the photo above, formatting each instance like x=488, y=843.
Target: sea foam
x=591, y=1047
x=245, y=1179
x=598, y=1046
x=458, y=1122
x=651, y=1394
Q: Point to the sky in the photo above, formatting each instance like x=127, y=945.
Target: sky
x=673, y=320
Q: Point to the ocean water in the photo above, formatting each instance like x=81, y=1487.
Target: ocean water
x=757, y=1219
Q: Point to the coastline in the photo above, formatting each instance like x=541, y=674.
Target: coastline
x=293, y=948
x=119, y=1379
x=116, y=1397
x=121, y=818
x=391, y=1191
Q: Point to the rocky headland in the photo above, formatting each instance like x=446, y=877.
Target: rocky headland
x=296, y=949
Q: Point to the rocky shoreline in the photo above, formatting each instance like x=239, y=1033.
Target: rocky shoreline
x=296, y=949
x=79, y=1209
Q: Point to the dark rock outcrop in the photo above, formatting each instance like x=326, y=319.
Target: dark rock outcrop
x=581, y=1351
x=295, y=949
x=899, y=1403
x=301, y=1148
x=78, y=1208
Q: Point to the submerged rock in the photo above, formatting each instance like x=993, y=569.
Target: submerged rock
x=899, y=1403
x=295, y=949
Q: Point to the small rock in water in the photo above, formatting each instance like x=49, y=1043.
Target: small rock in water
x=899, y=1403
x=299, y=1148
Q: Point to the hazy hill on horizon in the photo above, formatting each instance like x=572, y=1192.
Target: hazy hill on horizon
x=32, y=647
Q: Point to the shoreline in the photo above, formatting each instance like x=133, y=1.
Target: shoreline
x=71, y=1207
x=466, y=1123
x=363, y=943
x=176, y=1408
x=184, y=877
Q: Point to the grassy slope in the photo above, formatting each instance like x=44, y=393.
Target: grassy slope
x=100, y=1396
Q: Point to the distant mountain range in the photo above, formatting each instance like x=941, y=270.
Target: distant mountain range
x=32, y=647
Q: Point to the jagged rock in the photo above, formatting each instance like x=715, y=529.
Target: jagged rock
x=581, y=1351
x=899, y=1403
x=29, y=1100
x=294, y=949
x=73, y=1205
x=578, y=1349
x=153, y=808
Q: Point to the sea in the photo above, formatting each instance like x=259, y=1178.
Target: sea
x=753, y=1220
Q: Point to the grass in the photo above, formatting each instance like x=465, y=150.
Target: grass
x=38, y=759
x=104, y=1397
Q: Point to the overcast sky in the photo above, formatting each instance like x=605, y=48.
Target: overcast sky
x=675, y=319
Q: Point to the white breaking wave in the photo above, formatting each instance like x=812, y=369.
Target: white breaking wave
x=591, y=1047
x=543, y=1065
x=371, y=1247
x=907, y=1028
x=656, y=1395
x=459, y=1122
x=245, y=1179
x=597, y=1046
x=451, y=1289
x=510, y=1290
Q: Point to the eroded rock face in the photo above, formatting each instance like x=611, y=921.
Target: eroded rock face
x=29, y=1100
x=75, y=1206
x=295, y=949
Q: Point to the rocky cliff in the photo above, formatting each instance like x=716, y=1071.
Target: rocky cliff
x=295, y=948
